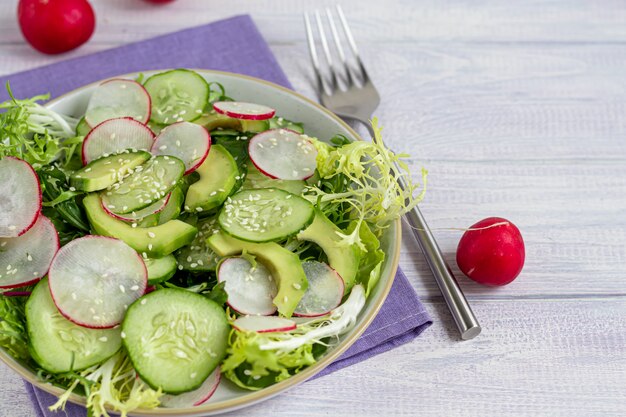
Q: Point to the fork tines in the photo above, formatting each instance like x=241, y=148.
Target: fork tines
x=346, y=74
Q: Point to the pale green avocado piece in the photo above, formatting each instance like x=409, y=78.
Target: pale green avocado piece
x=104, y=172
x=218, y=176
x=215, y=120
x=343, y=259
x=82, y=128
x=160, y=269
x=284, y=265
x=255, y=179
x=151, y=242
x=172, y=209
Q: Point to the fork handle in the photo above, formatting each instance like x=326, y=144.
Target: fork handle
x=461, y=311
x=455, y=299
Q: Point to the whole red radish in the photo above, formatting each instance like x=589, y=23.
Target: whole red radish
x=491, y=252
x=56, y=26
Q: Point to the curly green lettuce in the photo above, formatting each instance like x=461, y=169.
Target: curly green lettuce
x=256, y=360
x=374, y=183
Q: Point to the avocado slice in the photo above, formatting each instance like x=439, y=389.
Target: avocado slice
x=218, y=176
x=153, y=242
x=343, y=259
x=285, y=266
x=104, y=172
x=215, y=120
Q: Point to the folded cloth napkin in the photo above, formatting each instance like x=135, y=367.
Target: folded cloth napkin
x=236, y=46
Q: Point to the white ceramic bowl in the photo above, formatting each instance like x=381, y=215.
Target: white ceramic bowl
x=318, y=122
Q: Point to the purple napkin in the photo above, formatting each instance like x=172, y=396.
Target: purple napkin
x=236, y=46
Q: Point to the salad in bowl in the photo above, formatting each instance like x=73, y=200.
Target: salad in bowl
x=170, y=240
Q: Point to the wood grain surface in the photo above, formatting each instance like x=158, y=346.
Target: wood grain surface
x=517, y=109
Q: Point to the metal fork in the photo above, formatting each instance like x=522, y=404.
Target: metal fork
x=350, y=94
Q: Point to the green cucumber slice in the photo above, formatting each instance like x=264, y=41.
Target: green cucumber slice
x=175, y=338
x=198, y=256
x=160, y=269
x=105, y=172
x=146, y=185
x=57, y=344
x=177, y=95
x=265, y=214
x=82, y=128
x=256, y=179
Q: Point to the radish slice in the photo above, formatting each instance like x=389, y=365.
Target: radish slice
x=196, y=397
x=94, y=279
x=20, y=203
x=16, y=293
x=188, y=142
x=264, y=324
x=250, y=289
x=118, y=98
x=135, y=216
x=116, y=135
x=283, y=154
x=246, y=111
x=25, y=259
x=324, y=292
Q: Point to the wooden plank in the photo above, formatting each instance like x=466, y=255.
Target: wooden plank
x=556, y=358
x=407, y=20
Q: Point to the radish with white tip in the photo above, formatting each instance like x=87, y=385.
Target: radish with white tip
x=118, y=98
x=264, y=324
x=138, y=215
x=116, y=135
x=187, y=141
x=250, y=289
x=94, y=279
x=324, y=292
x=196, y=397
x=20, y=204
x=25, y=259
x=243, y=110
x=283, y=154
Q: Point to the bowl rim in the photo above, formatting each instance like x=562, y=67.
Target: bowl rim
x=273, y=390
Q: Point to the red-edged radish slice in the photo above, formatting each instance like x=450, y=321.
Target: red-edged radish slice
x=196, y=397
x=140, y=214
x=283, y=154
x=250, y=289
x=20, y=203
x=118, y=98
x=25, y=259
x=324, y=292
x=116, y=135
x=264, y=324
x=242, y=110
x=94, y=279
x=187, y=141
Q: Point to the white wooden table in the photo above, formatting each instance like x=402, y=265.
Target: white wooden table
x=518, y=109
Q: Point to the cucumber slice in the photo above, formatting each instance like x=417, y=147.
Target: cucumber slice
x=160, y=269
x=148, y=184
x=265, y=214
x=175, y=339
x=255, y=179
x=177, y=96
x=280, y=123
x=57, y=344
x=198, y=256
x=104, y=172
